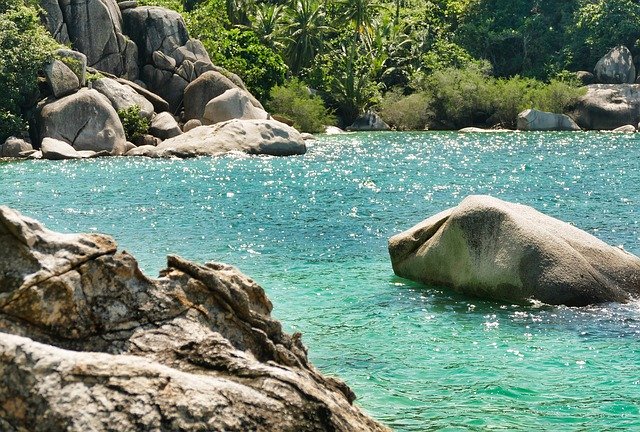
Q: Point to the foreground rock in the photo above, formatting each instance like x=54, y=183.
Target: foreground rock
x=89, y=343
x=608, y=106
x=494, y=249
x=13, y=147
x=535, y=120
x=267, y=137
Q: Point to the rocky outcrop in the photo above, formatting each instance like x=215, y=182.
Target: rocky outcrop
x=232, y=104
x=369, y=121
x=207, y=86
x=164, y=126
x=15, y=147
x=93, y=27
x=616, y=67
x=494, y=249
x=123, y=96
x=625, y=129
x=267, y=137
x=84, y=119
x=90, y=343
x=61, y=78
x=76, y=61
x=608, y=106
x=535, y=120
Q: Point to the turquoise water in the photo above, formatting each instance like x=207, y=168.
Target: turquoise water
x=313, y=230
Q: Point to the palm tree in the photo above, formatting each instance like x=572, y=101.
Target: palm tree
x=304, y=33
x=267, y=24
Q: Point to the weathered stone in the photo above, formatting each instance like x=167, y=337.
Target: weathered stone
x=14, y=147
x=147, y=140
x=90, y=343
x=60, y=78
x=159, y=104
x=307, y=136
x=200, y=91
x=616, y=67
x=585, y=77
x=369, y=121
x=169, y=86
x=85, y=119
x=187, y=71
x=232, y=104
x=129, y=4
x=75, y=60
x=333, y=130
x=164, y=126
x=143, y=150
x=162, y=61
x=625, y=129
x=608, y=106
x=202, y=67
x=493, y=249
x=248, y=136
x=53, y=20
x=54, y=149
x=122, y=96
x=191, y=124
x=480, y=130
x=534, y=120
x=128, y=146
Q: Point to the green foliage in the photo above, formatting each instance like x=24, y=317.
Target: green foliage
x=411, y=112
x=176, y=5
x=133, y=123
x=25, y=46
x=294, y=100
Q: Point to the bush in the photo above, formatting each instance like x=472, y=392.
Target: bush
x=293, y=100
x=25, y=46
x=133, y=123
x=411, y=112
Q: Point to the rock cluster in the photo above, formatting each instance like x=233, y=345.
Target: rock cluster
x=90, y=343
x=494, y=249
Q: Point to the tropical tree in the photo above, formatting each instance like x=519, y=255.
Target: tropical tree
x=304, y=33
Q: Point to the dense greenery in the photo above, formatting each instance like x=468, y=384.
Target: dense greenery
x=294, y=101
x=24, y=48
x=133, y=123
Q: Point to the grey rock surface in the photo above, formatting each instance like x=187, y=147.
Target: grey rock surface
x=370, y=121
x=535, y=120
x=54, y=149
x=164, y=126
x=123, y=96
x=60, y=78
x=616, y=67
x=13, y=147
x=625, y=129
x=267, y=137
x=608, y=106
x=191, y=124
x=75, y=60
x=85, y=119
x=199, y=92
x=88, y=342
x=232, y=104
x=489, y=248
x=159, y=104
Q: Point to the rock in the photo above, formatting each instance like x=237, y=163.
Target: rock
x=168, y=85
x=123, y=96
x=232, y=104
x=60, y=78
x=143, y=150
x=534, y=120
x=625, y=129
x=159, y=104
x=95, y=29
x=283, y=119
x=53, y=20
x=35, y=155
x=129, y=4
x=478, y=130
x=585, y=77
x=307, y=136
x=163, y=61
x=88, y=342
x=54, y=149
x=239, y=83
x=14, y=147
x=608, y=106
x=333, y=130
x=494, y=249
x=128, y=146
x=164, y=126
x=191, y=124
x=75, y=60
x=147, y=140
x=248, y=136
x=200, y=91
x=85, y=119
x=616, y=67
x=369, y=121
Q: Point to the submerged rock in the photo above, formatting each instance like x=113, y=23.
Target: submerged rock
x=267, y=137
x=90, y=343
x=494, y=249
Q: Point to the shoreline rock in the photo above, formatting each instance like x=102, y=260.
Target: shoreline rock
x=89, y=342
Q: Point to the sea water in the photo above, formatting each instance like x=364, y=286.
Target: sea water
x=313, y=230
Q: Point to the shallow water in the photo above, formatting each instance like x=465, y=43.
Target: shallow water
x=312, y=230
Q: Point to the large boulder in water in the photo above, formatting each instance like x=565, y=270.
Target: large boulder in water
x=608, y=106
x=88, y=342
x=369, y=121
x=267, y=137
x=535, y=120
x=494, y=249
x=616, y=67
x=232, y=104
x=84, y=119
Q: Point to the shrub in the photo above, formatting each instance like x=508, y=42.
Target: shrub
x=411, y=112
x=294, y=100
x=133, y=123
x=25, y=46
